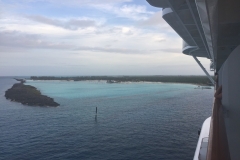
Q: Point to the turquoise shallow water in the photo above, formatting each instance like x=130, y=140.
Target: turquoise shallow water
x=134, y=121
x=91, y=89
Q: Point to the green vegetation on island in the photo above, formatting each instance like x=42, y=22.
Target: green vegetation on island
x=28, y=95
x=199, y=80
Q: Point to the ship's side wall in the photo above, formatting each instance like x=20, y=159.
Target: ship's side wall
x=230, y=80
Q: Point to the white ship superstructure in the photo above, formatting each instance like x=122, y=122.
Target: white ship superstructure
x=211, y=29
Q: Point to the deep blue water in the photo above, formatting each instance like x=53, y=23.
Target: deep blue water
x=142, y=121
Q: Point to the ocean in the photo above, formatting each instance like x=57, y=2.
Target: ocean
x=135, y=121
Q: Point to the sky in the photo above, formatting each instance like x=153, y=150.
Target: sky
x=89, y=37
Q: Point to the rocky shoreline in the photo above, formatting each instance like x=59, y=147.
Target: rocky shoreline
x=28, y=95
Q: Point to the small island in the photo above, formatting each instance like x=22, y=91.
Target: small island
x=28, y=95
x=198, y=80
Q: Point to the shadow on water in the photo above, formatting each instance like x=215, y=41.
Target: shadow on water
x=96, y=118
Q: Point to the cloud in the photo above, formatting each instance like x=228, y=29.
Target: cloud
x=168, y=50
x=69, y=3
x=72, y=24
x=155, y=20
x=91, y=2
x=1, y=9
x=136, y=12
x=119, y=30
x=119, y=8
x=15, y=39
x=111, y=50
x=10, y=40
x=133, y=12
